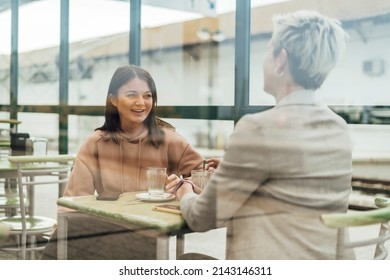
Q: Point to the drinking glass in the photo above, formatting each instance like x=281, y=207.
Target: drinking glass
x=200, y=177
x=156, y=177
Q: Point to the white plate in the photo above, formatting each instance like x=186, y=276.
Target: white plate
x=147, y=197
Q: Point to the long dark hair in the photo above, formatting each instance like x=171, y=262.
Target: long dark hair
x=112, y=123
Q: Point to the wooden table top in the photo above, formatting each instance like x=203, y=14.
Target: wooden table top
x=129, y=211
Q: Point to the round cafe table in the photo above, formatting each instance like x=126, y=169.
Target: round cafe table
x=12, y=122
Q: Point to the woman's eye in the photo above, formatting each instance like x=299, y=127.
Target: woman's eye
x=130, y=95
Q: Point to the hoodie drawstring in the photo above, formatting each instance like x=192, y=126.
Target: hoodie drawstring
x=139, y=163
x=121, y=155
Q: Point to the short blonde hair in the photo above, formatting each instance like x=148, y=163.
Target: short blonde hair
x=313, y=44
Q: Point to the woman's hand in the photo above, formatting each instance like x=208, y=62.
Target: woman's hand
x=212, y=163
x=180, y=187
x=173, y=180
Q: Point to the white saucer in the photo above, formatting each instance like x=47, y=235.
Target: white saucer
x=147, y=197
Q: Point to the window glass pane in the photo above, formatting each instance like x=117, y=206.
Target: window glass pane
x=4, y=115
x=360, y=78
x=5, y=51
x=190, y=55
x=80, y=128
x=39, y=37
x=5, y=128
x=4, y=78
x=99, y=44
x=41, y=125
x=198, y=133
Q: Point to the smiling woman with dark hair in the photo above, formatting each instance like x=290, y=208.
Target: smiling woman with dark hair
x=114, y=160
x=112, y=115
x=132, y=138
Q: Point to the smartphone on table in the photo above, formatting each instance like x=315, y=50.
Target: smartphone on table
x=169, y=208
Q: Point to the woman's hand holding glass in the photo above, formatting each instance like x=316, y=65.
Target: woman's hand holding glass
x=212, y=163
x=180, y=187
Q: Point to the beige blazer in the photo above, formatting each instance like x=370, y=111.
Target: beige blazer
x=281, y=170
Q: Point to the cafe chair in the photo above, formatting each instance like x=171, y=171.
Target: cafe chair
x=343, y=221
x=30, y=231
x=5, y=148
x=5, y=139
x=9, y=197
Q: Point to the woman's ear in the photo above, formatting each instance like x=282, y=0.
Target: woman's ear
x=112, y=99
x=281, y=62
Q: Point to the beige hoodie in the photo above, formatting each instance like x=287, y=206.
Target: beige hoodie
x=106, y=166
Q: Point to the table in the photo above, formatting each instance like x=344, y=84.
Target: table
x=129, y=212
x=11, y=122
x=6, y=139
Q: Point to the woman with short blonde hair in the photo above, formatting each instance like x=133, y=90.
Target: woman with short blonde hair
x=286, y=166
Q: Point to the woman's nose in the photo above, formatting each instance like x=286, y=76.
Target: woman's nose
x=139, y=100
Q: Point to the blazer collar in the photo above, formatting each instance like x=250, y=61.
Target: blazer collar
x=301, y=97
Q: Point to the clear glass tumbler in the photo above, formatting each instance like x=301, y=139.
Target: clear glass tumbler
x=201, y=177
x=156, y=177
